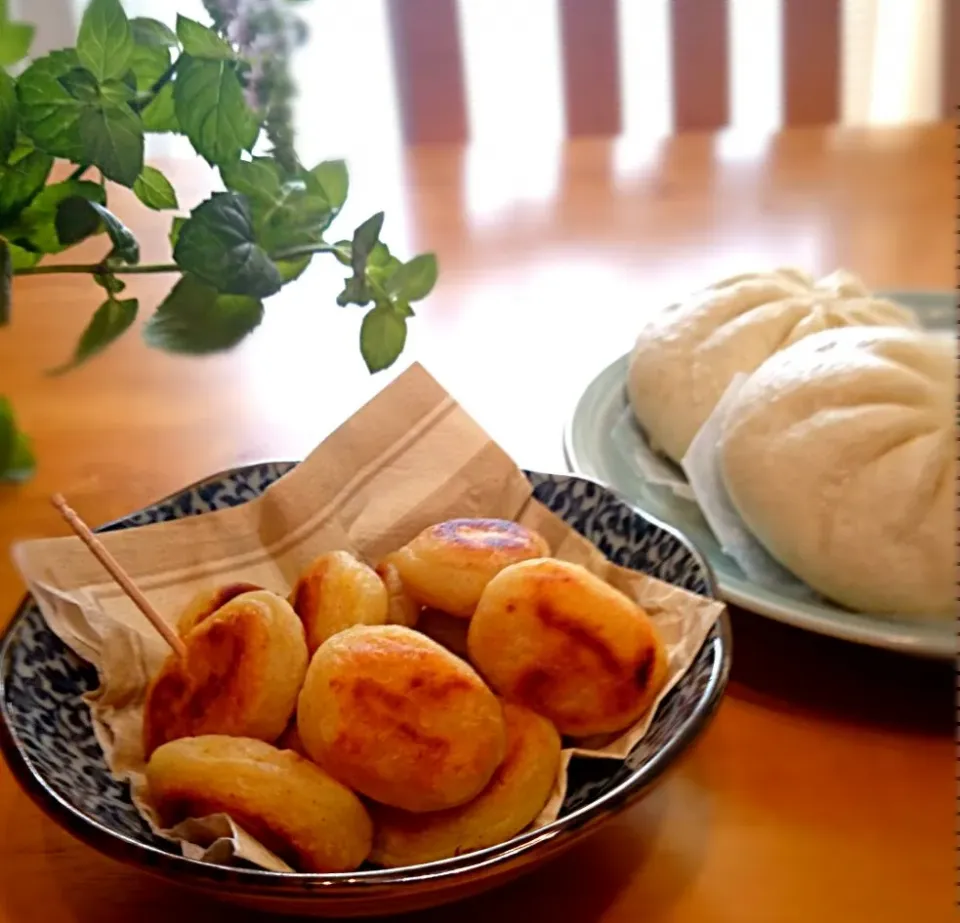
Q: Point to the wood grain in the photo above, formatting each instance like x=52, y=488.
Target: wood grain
x=825, y=788
x=591, y=67
x=810, y=37
x=428, y=70
x=699, y=48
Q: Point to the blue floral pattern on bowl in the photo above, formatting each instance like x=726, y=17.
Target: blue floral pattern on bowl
x=47, y=736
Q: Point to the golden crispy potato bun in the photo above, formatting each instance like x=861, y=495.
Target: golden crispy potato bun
x=448, y=565
x=556, y=638
x=245, y=664
x=289, y=804
x=335, y=592
x=512, y=799
x=402, y=608
x=206, y=602
x=398, y=718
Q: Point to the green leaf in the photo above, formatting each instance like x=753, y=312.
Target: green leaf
x=293, y=268
x=6, y=279
x=331, y=179
x=383, y=334
x=355, y=290
x=148, y=64
x=80, y=84
x=195, y=318
x=154, y=190
x=413, y=280
x=22, y=462
x=295, y=219
x=218, y=245
x=16, y=457
x=212, y=111
x=119, y=92
x=160, y=114
x=342, y=254
x=178, y=222
x=364, y=240
x=257, y=179
x=105, y=41
x=9, y=118
x=21, y=179
x=285, y=214
x=109, y=282
x=23, y=259
x=105, y=132
x=111, y=320
x=49, y=115
x=37, y=225
x=75, y=216
x=112, y=138
x=201, y=42
x=381, y=265
x=15, y=41
x=148, y=31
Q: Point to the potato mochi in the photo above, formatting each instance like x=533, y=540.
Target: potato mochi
x=396, y=717
x=556, y=638
x=511, y=800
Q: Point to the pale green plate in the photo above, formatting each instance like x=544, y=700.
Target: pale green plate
x=591, y=451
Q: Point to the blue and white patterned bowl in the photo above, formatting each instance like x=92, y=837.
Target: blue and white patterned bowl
x=47, y=738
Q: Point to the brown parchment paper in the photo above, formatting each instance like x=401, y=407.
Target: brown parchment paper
x=409, y=458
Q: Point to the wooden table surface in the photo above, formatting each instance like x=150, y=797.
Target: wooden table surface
x=824, y=790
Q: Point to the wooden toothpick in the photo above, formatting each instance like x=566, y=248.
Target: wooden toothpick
x=82, y=531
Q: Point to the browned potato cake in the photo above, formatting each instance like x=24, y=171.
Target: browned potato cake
x=448, y=565
x=396, y=717
x=512, y=799
x=206, y=602
x=290, y=805
x=402, y=608
x=335, y=592
x=558, y=639
x=244, y=667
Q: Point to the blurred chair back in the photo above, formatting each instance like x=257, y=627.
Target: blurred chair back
x=428, y=56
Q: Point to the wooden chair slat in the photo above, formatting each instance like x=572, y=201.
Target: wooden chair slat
x=950, y=59
x=700, y=51
x=591, y=66
x=428, y=69
x=811, y=61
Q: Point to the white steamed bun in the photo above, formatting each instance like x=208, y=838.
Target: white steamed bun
x=838, y=453
x=687, y=354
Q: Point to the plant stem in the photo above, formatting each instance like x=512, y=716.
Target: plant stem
x=79, y=171
x=97, y=268
x=305, y=250
x=289, y=254
x=158, y=85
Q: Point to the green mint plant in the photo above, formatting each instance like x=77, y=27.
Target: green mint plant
x=227, y=88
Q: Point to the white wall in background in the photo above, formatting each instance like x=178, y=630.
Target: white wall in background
x=646, y=87
x=756, y=64
x=891, y=61
x=512, y=68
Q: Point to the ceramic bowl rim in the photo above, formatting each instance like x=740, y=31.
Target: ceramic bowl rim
x=120, y=846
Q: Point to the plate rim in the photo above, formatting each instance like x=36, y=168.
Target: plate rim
x=899, y=642
x=526, y=847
